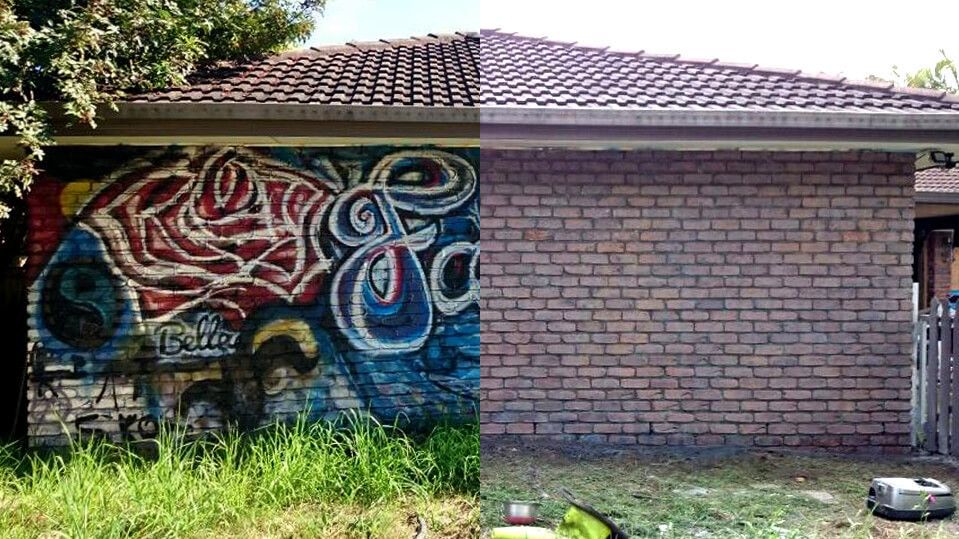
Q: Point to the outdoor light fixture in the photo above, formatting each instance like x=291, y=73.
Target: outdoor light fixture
x=942, y=158
x=939, y=159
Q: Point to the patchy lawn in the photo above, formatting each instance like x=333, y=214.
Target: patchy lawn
x=756, y=494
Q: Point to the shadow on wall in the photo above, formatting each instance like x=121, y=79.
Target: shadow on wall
x=231, y=285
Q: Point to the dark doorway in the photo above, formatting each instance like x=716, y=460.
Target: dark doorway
x=935, y=266
x=13, y=330
x=13, y=371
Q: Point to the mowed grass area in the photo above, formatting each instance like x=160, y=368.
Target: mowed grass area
x=355, y=479
x=764, y=495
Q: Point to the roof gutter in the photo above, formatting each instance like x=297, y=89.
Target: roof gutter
x=511, y=127
x=707, y=129
x=717, y=118
x=291, y=111
x=271, y=124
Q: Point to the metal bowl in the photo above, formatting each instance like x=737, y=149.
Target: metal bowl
x=520, y=513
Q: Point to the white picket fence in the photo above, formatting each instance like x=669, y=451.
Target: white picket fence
x=935, y=404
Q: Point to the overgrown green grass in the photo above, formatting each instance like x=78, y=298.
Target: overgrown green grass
x=358, y=478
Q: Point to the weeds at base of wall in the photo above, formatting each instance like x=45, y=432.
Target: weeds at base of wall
x=192, y=488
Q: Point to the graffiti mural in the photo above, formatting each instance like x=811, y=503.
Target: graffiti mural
x=221, y=286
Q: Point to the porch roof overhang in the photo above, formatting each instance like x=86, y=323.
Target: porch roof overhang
x=933, y=204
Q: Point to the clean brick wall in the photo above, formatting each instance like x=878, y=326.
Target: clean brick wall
x=697, y=298
x=207, y=286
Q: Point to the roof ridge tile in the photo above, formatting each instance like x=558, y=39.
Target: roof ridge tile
x=618, y=52
x=408, y=42
x=821, y=77
x=568, y=44
x=444, y=38
x=369, y=45
x=735, y=65
x=700, y=61
x=870, y=84
x=925, y=92
x=659, y=56
x=773, y=70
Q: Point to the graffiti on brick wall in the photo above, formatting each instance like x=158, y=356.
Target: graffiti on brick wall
x=229, y=285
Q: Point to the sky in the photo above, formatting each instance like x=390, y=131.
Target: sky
x=372, y=20
x=855, y=38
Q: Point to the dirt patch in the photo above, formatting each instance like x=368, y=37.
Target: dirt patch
x=453, y=518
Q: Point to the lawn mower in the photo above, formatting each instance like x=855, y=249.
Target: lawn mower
x=581, y=521
x=907, y=498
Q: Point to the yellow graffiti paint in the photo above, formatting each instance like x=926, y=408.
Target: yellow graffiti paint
x=75, y=196
x=298, y=330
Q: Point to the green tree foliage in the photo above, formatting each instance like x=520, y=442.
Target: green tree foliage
x=86, y=54
x=942, y=76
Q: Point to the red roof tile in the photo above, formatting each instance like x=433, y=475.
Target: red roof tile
x=937, y=180
x=436, y=71
x=535, y=72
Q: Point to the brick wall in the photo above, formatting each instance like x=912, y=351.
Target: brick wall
x=697, y=298
x=214, y=286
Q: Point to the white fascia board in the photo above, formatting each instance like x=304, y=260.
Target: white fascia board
x=540, y=115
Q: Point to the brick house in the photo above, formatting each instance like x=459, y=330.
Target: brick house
x=673, y=251
x=690, y=252
x=294, y=234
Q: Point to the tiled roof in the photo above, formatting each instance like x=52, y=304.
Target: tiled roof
x=436, y=70
x=937, y=180
x=536, y=72
x=516, y=71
